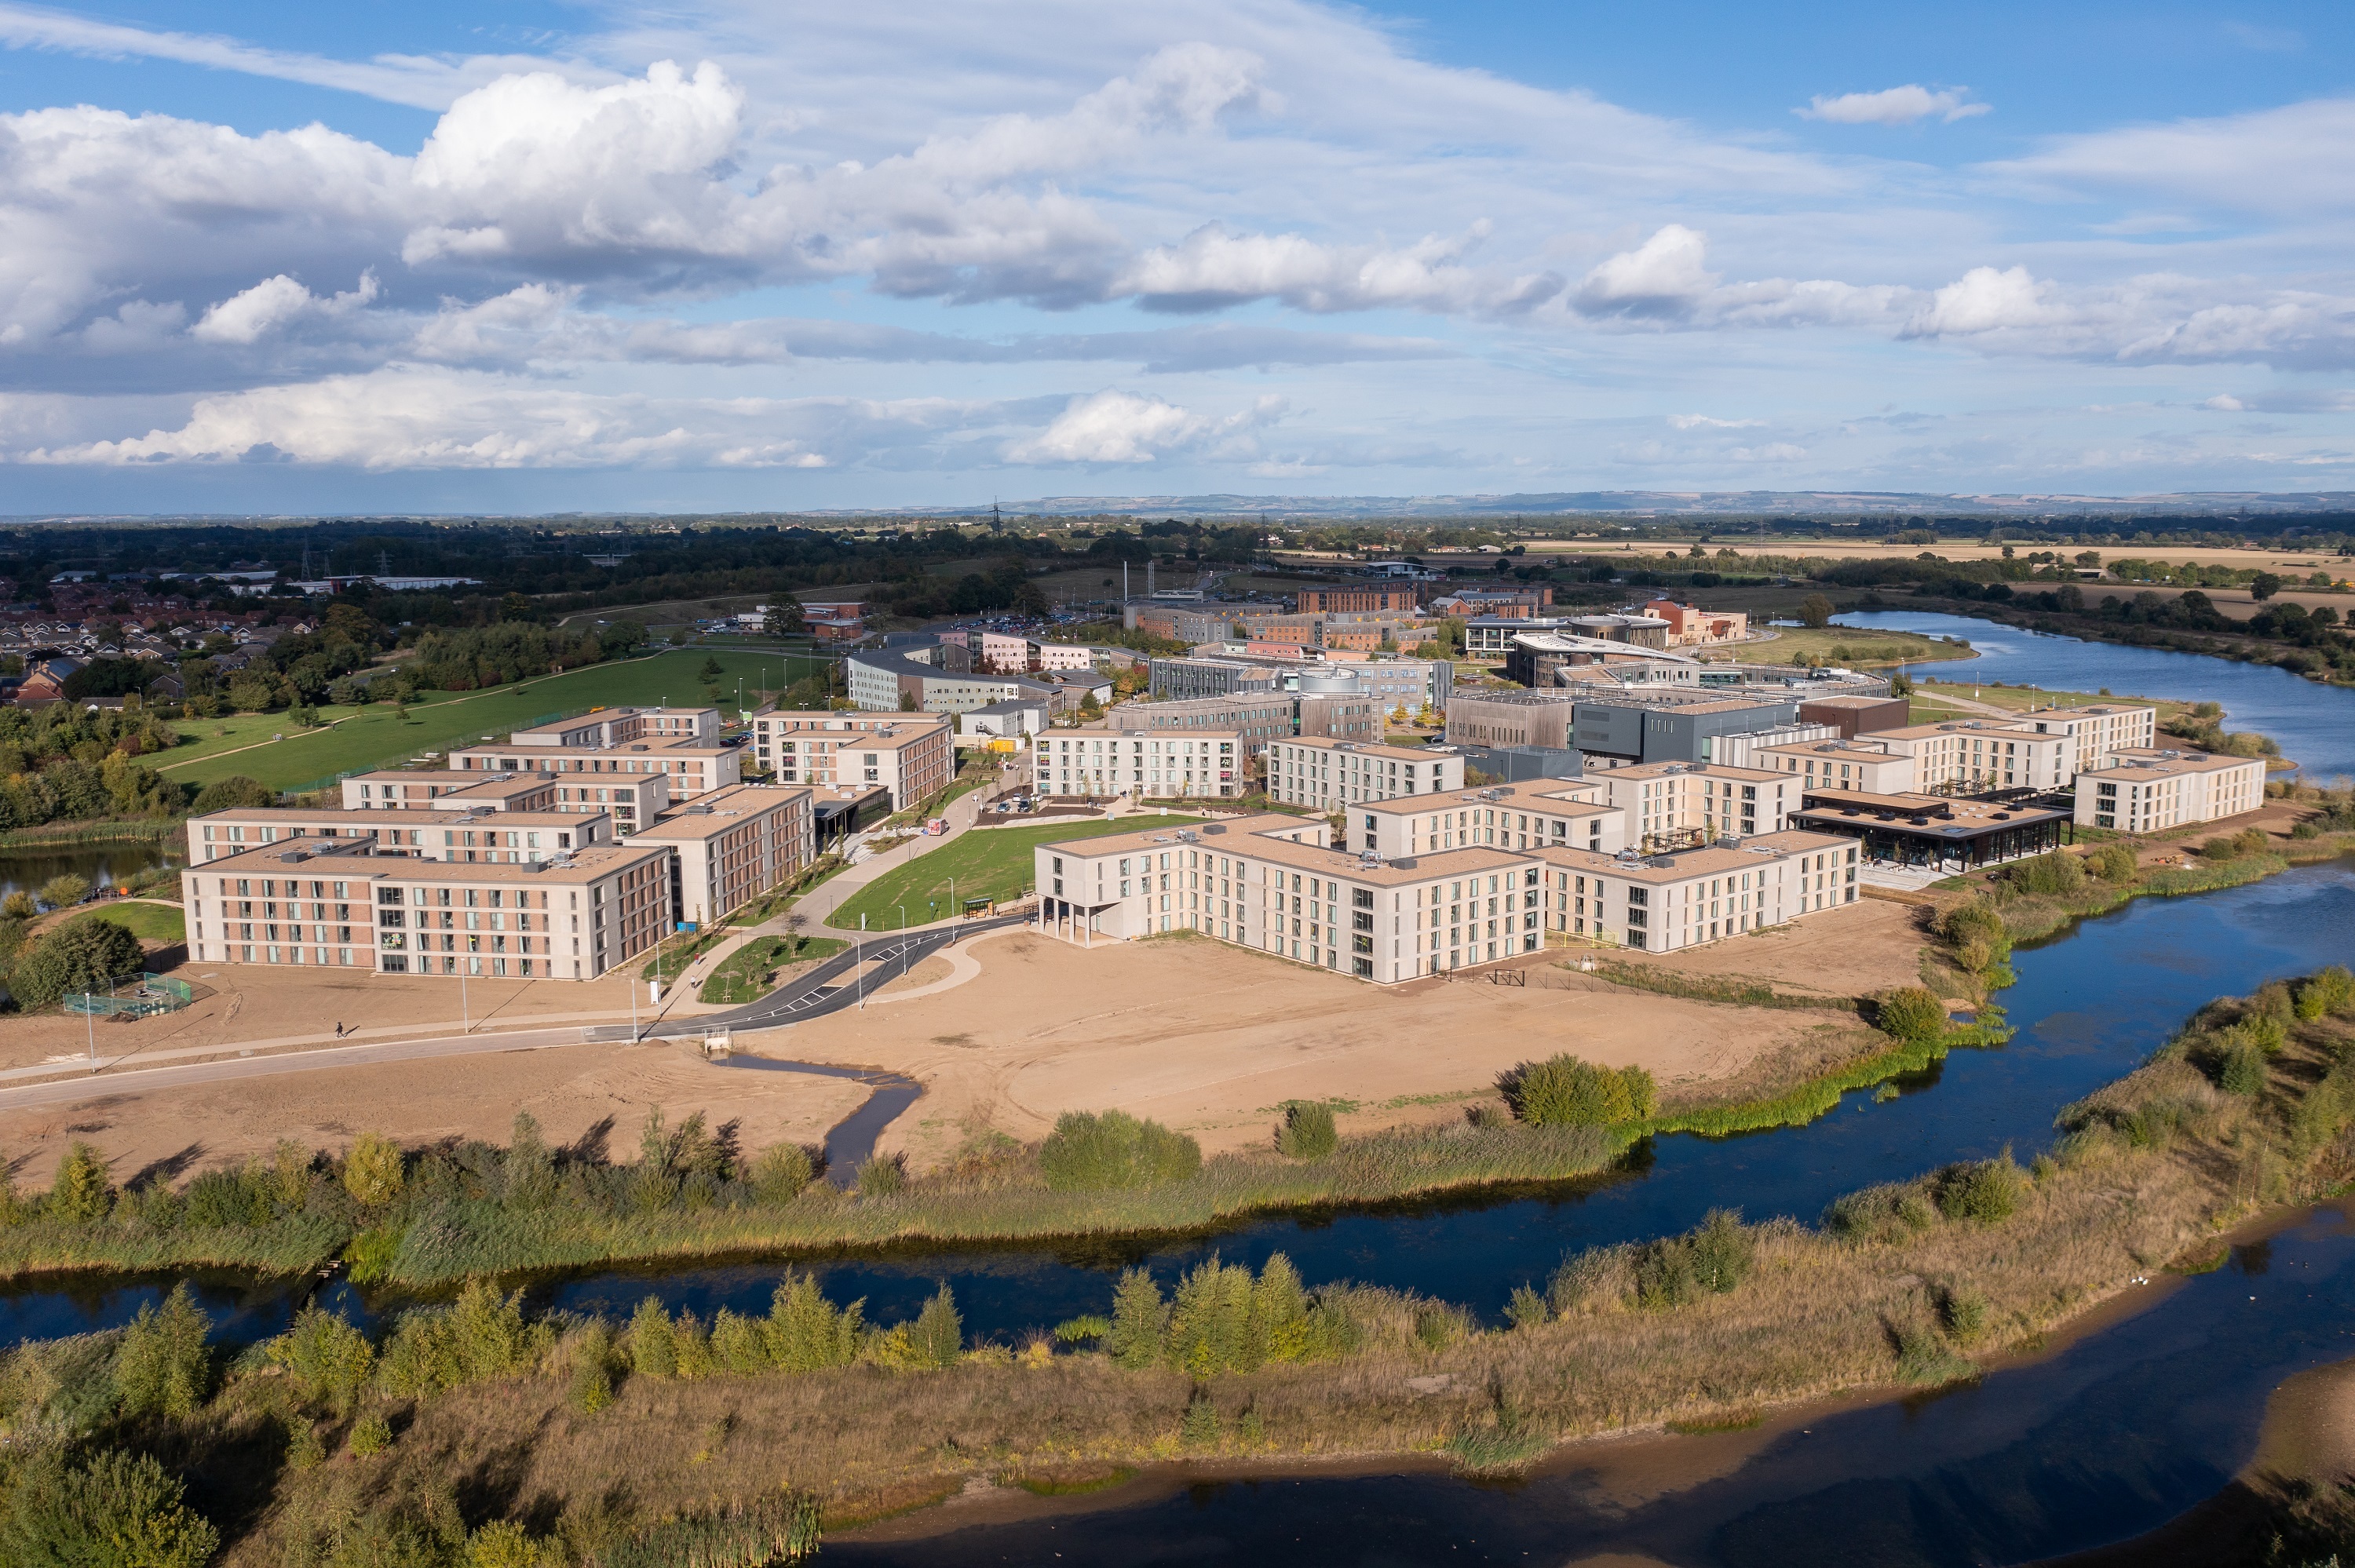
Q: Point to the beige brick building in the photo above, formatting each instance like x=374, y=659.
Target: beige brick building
x=2100, y=732
x=913, y=755
x=350, y=908
x=732, y=846
x=455, y=832
x=427, y=786
x=1666, y=803
x=1984, y=754
x=2141, y=790
x=1330, y=775
x=680, y=744
x=1163, y=764
x=1866, y=764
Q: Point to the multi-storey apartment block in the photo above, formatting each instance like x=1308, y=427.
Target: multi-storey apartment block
x=680, y=744
x=2139, y=790
x=2100, y=732
x=573, y=918
x=913, y=755
x=455, y=832
x=1866, y=764
x=732, y=846
x=1329, y=775
x=1274, y=883
x=1523, y=816
x=1984, y=754
x=1688, y=804
x=1164, y=763
x=413, y=788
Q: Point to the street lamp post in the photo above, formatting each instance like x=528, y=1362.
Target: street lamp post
x=465, y=1012
x=859, y=980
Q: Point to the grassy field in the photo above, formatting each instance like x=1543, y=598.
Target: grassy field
x=2019, y=699
x=151, y=922
x=991, y=864
x=376, y=736
x=750, y=972
x=1843, y=645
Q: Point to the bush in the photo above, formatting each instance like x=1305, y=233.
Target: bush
x=805, y=1331
x=1138, y=1319
x=81, y=1194
x=1982, y=1190
x=325, y=1357
x=882, y=1177
x=1912, y=1014
x=2111, y=862
x=1715, y=1257
x=65, y=890
x=479, y=1336
x=780, y=1173
x=371, y=1436
x=2243, y=1072
x=652, y=1351
x=1563, y=1090
x=232, y=793
x=1307, y=1132
x=1114, y=1150
x=1580, y=1276
x=372, y=1170
x=938, y=1337
x=2322, y=995
x=2055, y=874
x=1526, y=1308
x=162, y=1365
x=592, y=1369
x=113, y=1511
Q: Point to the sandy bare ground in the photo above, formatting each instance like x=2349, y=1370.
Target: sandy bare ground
x=576, y=1092
x=1853, y=951
x=245, y=1005
x=1212, y=1040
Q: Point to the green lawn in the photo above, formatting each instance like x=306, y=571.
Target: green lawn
x=750, y=972
x=203, y=737
x=992, y=862
x=374, y=737
x=1852, y=646
x=154, y=922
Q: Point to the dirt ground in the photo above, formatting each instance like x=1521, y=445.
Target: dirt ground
x=258, y=1006
x=1212, y=1040
x=575, y=1091
x=1204, y=1037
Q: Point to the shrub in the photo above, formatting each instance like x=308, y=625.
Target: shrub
x=234, y=792
x=480, y=1335
x=1307, y=1132
x=1887, y=1213
x=1964, y=1312
x=2111, y=862
x=882, y=1177
x=1562, y=1089
x=736, y=1343
x=1723, y=1252
x=938, y=1336
x=780, y=1173
x=65, y=890
x=528, y=1170
x=1526, y=1308
x=1912, y=1014
x=372, y=1170
x=2330, y=991
x=1578, y=1279
x=112, y=1509
x=1138, y=1318
x=81, y=1193
x=1086, y=1326
x=652, y=1352
x=777, y=1528
x=162, y=1365
x=325, y=1357
x=1088, y=1151
x=1982, y=1190
x=1923, y=1358
x=2056, y=872
x=2242, y=1072
x=502, y=1543
x=805, y=1331
x=592, y=1369
x=371, y=1436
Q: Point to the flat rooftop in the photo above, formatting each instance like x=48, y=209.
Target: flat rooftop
x=313, y=857
x=2143, y=762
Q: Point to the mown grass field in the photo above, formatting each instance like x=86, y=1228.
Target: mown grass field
x=2019, y=699
x=1850, y=646
x=984, y=863
x=150, y=922
x=750, y=972
x=376, y=737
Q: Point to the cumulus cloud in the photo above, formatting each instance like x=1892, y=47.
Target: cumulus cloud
x=1665, y=276
x=1113, y=426
x=1894, y=106
x=1213, y=268
x=274, y=304
x=1703, y=422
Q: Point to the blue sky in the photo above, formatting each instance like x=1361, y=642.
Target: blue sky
x=735, y=254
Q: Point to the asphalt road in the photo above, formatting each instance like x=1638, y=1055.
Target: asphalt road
x=813, y=995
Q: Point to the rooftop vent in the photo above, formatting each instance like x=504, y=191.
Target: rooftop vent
x=1215, y=828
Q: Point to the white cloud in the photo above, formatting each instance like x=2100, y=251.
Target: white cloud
x=1213, y=268
x=1894, y=106
x=274, y=304
x=1665, y=276
x=1703, y=422
x=1114, y=427
x=2298, y=161
x=1985, y=300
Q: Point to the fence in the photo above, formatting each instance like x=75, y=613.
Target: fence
x=150, y=994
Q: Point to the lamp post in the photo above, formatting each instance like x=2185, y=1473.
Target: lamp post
x=465, y=1012
x=859, y=980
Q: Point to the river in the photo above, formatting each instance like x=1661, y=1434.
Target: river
x=2129, y=1426
x=2314, y=722
x=99, y=864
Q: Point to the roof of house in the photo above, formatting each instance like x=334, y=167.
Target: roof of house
x=2148, y=761
x=313, y=857
x=721, y=810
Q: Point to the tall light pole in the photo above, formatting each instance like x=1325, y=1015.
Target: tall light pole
x=858, y=980
x=465, y=1012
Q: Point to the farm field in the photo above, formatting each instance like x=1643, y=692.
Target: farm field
x=987, y=863
x=376, y=737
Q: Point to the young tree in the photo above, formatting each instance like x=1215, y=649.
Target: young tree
x=1814, y=611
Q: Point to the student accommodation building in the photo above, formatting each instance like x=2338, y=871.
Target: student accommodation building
x=730, y=846
x=350, y=908
x=2140, y=790
x=1332, y=775
x=909, y=756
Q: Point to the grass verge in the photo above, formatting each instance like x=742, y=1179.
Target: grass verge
x=996, y=863
x=750, y=972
